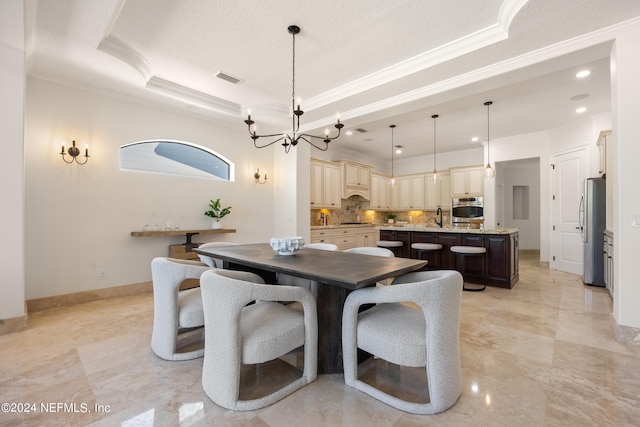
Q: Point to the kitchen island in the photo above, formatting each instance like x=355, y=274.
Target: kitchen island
x=500, y=264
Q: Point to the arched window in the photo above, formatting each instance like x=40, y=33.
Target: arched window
x=176, y=158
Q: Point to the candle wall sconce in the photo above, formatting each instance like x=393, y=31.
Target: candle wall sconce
x=74, y=153
x=257, y=176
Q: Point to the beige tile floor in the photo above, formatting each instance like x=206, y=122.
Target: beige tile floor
x=540, y=354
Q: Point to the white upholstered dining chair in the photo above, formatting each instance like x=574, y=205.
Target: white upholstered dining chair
x=237, y=332
x=374, y=251
x=176, y=313
x=427, y=336
x=210, y=261
x=371, y=250
x=310, y=285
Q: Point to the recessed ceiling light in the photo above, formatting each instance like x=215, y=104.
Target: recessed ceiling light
x=581, y=109
x=399, y=149
x=475, y=139
x=583, y=73
x=349, y=133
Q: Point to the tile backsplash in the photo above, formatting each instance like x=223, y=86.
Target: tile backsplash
x=351, y=211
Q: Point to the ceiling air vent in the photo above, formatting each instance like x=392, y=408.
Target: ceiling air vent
x=361, y=130
x=227, y=77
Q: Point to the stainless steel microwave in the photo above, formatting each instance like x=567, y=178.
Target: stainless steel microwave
x=465, y=208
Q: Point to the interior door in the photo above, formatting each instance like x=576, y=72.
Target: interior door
x=567, y=187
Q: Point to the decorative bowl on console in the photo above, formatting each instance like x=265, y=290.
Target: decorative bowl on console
x=286, y=245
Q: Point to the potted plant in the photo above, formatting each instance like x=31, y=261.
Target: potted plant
x=390, y=218
x=217, y=213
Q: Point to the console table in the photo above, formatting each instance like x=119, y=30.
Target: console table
x=184, y=250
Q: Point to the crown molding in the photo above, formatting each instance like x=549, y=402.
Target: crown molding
x=467, y=44
x=565, y=47
x=193, y=97
x=118, y=49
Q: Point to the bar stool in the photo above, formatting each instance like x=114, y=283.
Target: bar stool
x=394, y=246
x=427, y=249
x=465, y=251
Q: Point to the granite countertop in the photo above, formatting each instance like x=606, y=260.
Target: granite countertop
x=419, y=227
x=358, y=225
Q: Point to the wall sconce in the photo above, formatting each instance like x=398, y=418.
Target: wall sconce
x=74, y=152
x=256, y=175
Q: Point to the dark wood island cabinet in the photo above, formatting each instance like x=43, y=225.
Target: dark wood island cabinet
x=500, y=264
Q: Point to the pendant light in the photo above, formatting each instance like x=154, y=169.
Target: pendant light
x=435, y=176
x=489, y=172
x=392, y=181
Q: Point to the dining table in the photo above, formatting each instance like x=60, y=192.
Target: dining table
x=337, y=274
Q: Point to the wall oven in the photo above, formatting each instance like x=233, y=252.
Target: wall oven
x=464, y=209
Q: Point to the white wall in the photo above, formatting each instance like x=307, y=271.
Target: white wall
x=79, y=218
x=12, y=88
x=529, y=146
x=510, y=175
x=444, y=161
x=626, y=175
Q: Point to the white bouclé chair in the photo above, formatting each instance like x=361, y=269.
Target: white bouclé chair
x=426, y=336
x=176, y=313
x=310, y=285
x=371, y=250
x=238, y=332
x=213, y=262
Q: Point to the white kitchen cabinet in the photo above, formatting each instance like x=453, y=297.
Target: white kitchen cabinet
x=357, y=180
x=410, y=192
x=438, y=195
x=326, y=185
x=602, y=148
x=346, y=237
x=366, y=237
x=380, y=192
x=468, y=181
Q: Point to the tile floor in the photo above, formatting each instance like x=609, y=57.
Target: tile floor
x=540, y=354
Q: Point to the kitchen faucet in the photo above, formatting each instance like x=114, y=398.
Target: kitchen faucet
x=439, y=212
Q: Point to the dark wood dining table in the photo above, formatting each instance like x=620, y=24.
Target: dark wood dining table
x=337, y=273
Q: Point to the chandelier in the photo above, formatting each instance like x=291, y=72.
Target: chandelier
x=489, y=172
x=292, y=140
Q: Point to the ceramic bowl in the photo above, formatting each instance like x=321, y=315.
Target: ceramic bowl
x=286, y=245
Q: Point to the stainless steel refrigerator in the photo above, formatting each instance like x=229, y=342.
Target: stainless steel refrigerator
x=592, y=217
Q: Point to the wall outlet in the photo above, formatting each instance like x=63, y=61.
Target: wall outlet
x=102, y=274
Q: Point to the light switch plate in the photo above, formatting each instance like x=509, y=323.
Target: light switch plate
x=636, y=221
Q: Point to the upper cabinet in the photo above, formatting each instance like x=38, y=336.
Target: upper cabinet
x=356, y=180
x=409, y=192
x=467, y=181
x=438, y=195
x=380, y=194
x=326, y=185
x=602, y=148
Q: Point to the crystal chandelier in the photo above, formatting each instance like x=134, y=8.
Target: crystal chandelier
x=292, y=140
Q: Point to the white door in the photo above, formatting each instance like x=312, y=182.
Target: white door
x=569, y=170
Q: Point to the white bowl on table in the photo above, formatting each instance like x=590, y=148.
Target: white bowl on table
x=286, y=245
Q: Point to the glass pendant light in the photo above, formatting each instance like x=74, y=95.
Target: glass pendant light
x=435, y=176
x=392, y=181
x=489, y=172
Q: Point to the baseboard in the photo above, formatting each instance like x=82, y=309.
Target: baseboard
x=39, y=304
x=529, y=251
x=625, y=334
x=14, y=324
